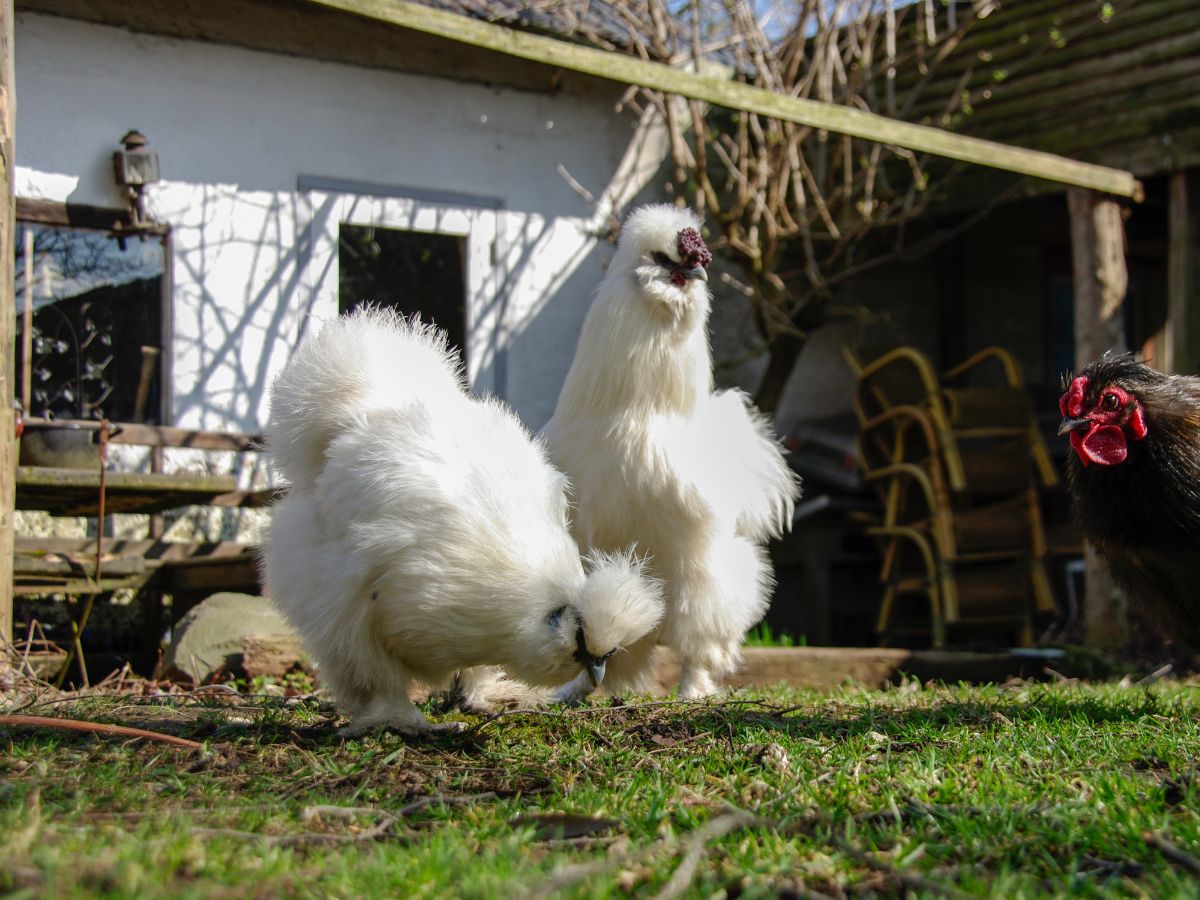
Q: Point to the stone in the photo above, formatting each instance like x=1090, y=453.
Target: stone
x=211, y=638
x=273, y=655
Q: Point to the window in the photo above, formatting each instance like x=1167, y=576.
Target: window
x=95, y=304
x=410, y=271
x=436, y=253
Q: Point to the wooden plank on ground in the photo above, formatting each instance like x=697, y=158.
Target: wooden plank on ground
x=733, y=95
x=872, y=667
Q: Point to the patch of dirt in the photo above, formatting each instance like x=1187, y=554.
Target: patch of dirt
x=664, y=733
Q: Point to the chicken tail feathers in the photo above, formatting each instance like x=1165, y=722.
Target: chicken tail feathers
x=371, y=359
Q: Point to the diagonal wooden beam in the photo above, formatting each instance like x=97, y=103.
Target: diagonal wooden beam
x=733, y=95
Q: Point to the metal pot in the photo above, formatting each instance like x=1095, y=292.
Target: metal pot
x=61, y=445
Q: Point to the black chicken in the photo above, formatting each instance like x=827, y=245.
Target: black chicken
x=1135, y=483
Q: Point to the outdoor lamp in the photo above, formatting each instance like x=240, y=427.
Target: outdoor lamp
x=135, y=167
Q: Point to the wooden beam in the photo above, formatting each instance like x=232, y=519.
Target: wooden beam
x=720, y=92
x=1100, y=280
x=1181, y=338
x=76, y=215
x=1100, y=275
x=152, y=552
x=75, y=492
x=207, y=576
x=8, y=312
x=165, y=435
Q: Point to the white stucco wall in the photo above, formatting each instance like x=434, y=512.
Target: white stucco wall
x=236, y=129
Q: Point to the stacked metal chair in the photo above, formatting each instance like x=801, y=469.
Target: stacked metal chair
x=957, y=461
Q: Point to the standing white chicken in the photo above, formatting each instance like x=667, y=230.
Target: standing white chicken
x=693, y=477
x=424, y=531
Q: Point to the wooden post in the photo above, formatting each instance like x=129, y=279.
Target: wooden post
x=26, y=381
x=1181, y=336
x=8, y=313
x=1100, y=279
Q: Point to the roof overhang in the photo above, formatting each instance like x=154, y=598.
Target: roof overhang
x=407, y=36
x=315, y=31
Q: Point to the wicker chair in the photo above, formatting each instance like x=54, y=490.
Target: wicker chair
x=958, y=467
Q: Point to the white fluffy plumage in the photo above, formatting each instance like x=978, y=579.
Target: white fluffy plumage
x=424, y=531
x=658, y=458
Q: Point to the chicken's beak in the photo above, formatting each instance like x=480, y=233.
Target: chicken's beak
x=595, y=670
x=1067, y=425
x=694, y=273
x=592, y=665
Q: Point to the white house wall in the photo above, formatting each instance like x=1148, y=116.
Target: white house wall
x=236, y=130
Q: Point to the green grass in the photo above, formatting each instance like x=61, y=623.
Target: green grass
x=1031, y=790
x=762, y=635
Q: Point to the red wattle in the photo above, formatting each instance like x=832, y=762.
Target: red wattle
x=1103, y=444
x=1077, y=446
x=1137, y=423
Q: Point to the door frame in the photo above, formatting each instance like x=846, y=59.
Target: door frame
x=325, y=203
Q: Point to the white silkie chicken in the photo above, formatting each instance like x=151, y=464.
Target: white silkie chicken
x=659, y=459
x=424, y=531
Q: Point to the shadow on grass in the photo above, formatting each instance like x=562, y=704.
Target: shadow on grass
x=653, y=725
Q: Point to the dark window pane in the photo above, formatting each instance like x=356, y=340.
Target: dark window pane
x=96, y=302
x=410, y=271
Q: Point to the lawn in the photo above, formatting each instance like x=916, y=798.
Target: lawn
x=1026, y=789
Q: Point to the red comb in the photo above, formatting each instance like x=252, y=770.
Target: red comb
x=692, y=250
x=1071, y=403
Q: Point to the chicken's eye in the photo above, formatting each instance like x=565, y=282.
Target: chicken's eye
x=1109, y=402
x=662, y=259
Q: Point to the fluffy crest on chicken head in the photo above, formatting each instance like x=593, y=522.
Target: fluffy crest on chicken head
x=661, y=244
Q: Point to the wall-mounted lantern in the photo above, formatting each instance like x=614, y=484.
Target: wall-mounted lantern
x=135, y=168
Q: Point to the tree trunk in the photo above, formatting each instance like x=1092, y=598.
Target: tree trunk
x=1100, y=279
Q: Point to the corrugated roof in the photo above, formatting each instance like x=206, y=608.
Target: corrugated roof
x=1114, y=82
x=594, y=22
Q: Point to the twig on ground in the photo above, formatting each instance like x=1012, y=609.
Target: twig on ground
x=97, y=728
x=1160, y=672
x=908, y=880
x=568, y=876
x=381, y=827
x=716, y=828
x=1178, y=856
x=602, y=739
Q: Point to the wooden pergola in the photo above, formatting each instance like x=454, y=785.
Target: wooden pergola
x=1096, y=223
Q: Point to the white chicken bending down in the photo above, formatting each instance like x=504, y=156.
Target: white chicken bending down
x=424, y=530
x=659, y=459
